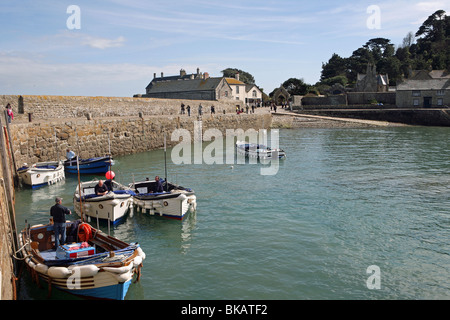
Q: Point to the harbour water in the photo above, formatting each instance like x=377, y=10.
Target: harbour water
x=344, y=200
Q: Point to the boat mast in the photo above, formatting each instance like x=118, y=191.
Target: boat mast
x=79, y=182
x=165, y=162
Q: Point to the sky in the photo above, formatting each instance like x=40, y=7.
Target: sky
x=113, y=47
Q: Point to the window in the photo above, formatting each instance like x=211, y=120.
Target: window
x=254, y=93
x=416, y=93
x=440, y=102
x=440, y=93
x=237, y=89
x=416, y=102
x=226, y=93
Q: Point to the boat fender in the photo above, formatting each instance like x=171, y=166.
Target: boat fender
x=141, y=253
x=59, y=272
x=31, y=264
x=124, y=277
x=119, y=270
x=137, y=261
x=84, y=271
x=41, y=268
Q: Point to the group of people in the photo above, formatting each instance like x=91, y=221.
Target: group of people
x=9, y=113
x=200, y=109
x=59, y=212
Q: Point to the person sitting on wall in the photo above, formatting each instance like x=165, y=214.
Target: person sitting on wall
x=101, y=189
x=70, y=154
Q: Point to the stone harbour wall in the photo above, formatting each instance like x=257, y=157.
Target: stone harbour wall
x=65, y=107
x=48, y=140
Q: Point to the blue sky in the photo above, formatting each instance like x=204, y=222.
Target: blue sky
x=120, y=44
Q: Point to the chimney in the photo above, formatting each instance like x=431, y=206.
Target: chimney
x=237, y=76
x=182, y=72
x=154, y=75
x=162, y=74
x=198, y=71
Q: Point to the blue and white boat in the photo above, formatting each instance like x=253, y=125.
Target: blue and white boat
x=42, y=173
x=93, y=266
x=98, y=165
x=174, y=202
x=111, y=207
x=259, y=151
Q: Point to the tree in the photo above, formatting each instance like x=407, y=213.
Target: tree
x=296, y=86
x=243, y=76
x=336, y=66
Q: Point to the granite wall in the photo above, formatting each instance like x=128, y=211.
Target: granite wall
x=66, y=107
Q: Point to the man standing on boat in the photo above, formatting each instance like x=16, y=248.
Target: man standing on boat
x=58, y=212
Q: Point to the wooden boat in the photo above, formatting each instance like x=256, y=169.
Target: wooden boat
x=111, y=207
x=42, y=173
x=259, y=151
x=95, y=266
x=174, y=202
x=98, y=165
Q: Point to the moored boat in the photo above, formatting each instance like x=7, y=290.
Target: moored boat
x=111, y=207
x=259, y=151
x=42, y=173
x=95, y=266
x=173, y=202
x=98, y=165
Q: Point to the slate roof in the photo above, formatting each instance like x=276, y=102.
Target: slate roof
x=429, y=84
x=168, y=86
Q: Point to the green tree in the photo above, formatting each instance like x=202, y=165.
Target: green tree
x=296, y=86
x=243, y=76
x=336, y=66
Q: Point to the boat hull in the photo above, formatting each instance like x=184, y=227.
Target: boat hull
x=42, y=174
x=111, y=207
x=264, y=154
x=173, y=206
x=101, y=276
x=98, y=165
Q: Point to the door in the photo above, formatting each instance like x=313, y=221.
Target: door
x=427, y=102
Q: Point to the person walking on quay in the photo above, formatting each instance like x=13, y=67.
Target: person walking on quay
x=189, y=110
x=58, y=212
x=213, y=110
x=182, y=108
x=200, y=107
x=9, y=113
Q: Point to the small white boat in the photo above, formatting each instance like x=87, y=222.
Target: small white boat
x=42, y=173
x=92, y=264
x=111, y=207
x=258, y=151
x=174, y=202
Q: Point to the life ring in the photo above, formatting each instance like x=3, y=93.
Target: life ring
x=84, y=232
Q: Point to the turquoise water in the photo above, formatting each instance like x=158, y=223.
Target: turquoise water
x=343, y=200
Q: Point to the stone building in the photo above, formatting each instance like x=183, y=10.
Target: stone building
x=197, y=86
x=247, y=93
x=424, y=89
x=371, y=81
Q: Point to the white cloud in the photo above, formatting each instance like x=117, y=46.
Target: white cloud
x=102, y=43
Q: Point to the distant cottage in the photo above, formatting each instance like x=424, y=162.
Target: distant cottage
x=200, y=86
x=247, y=93
x=197, y=86
x=424, y=89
